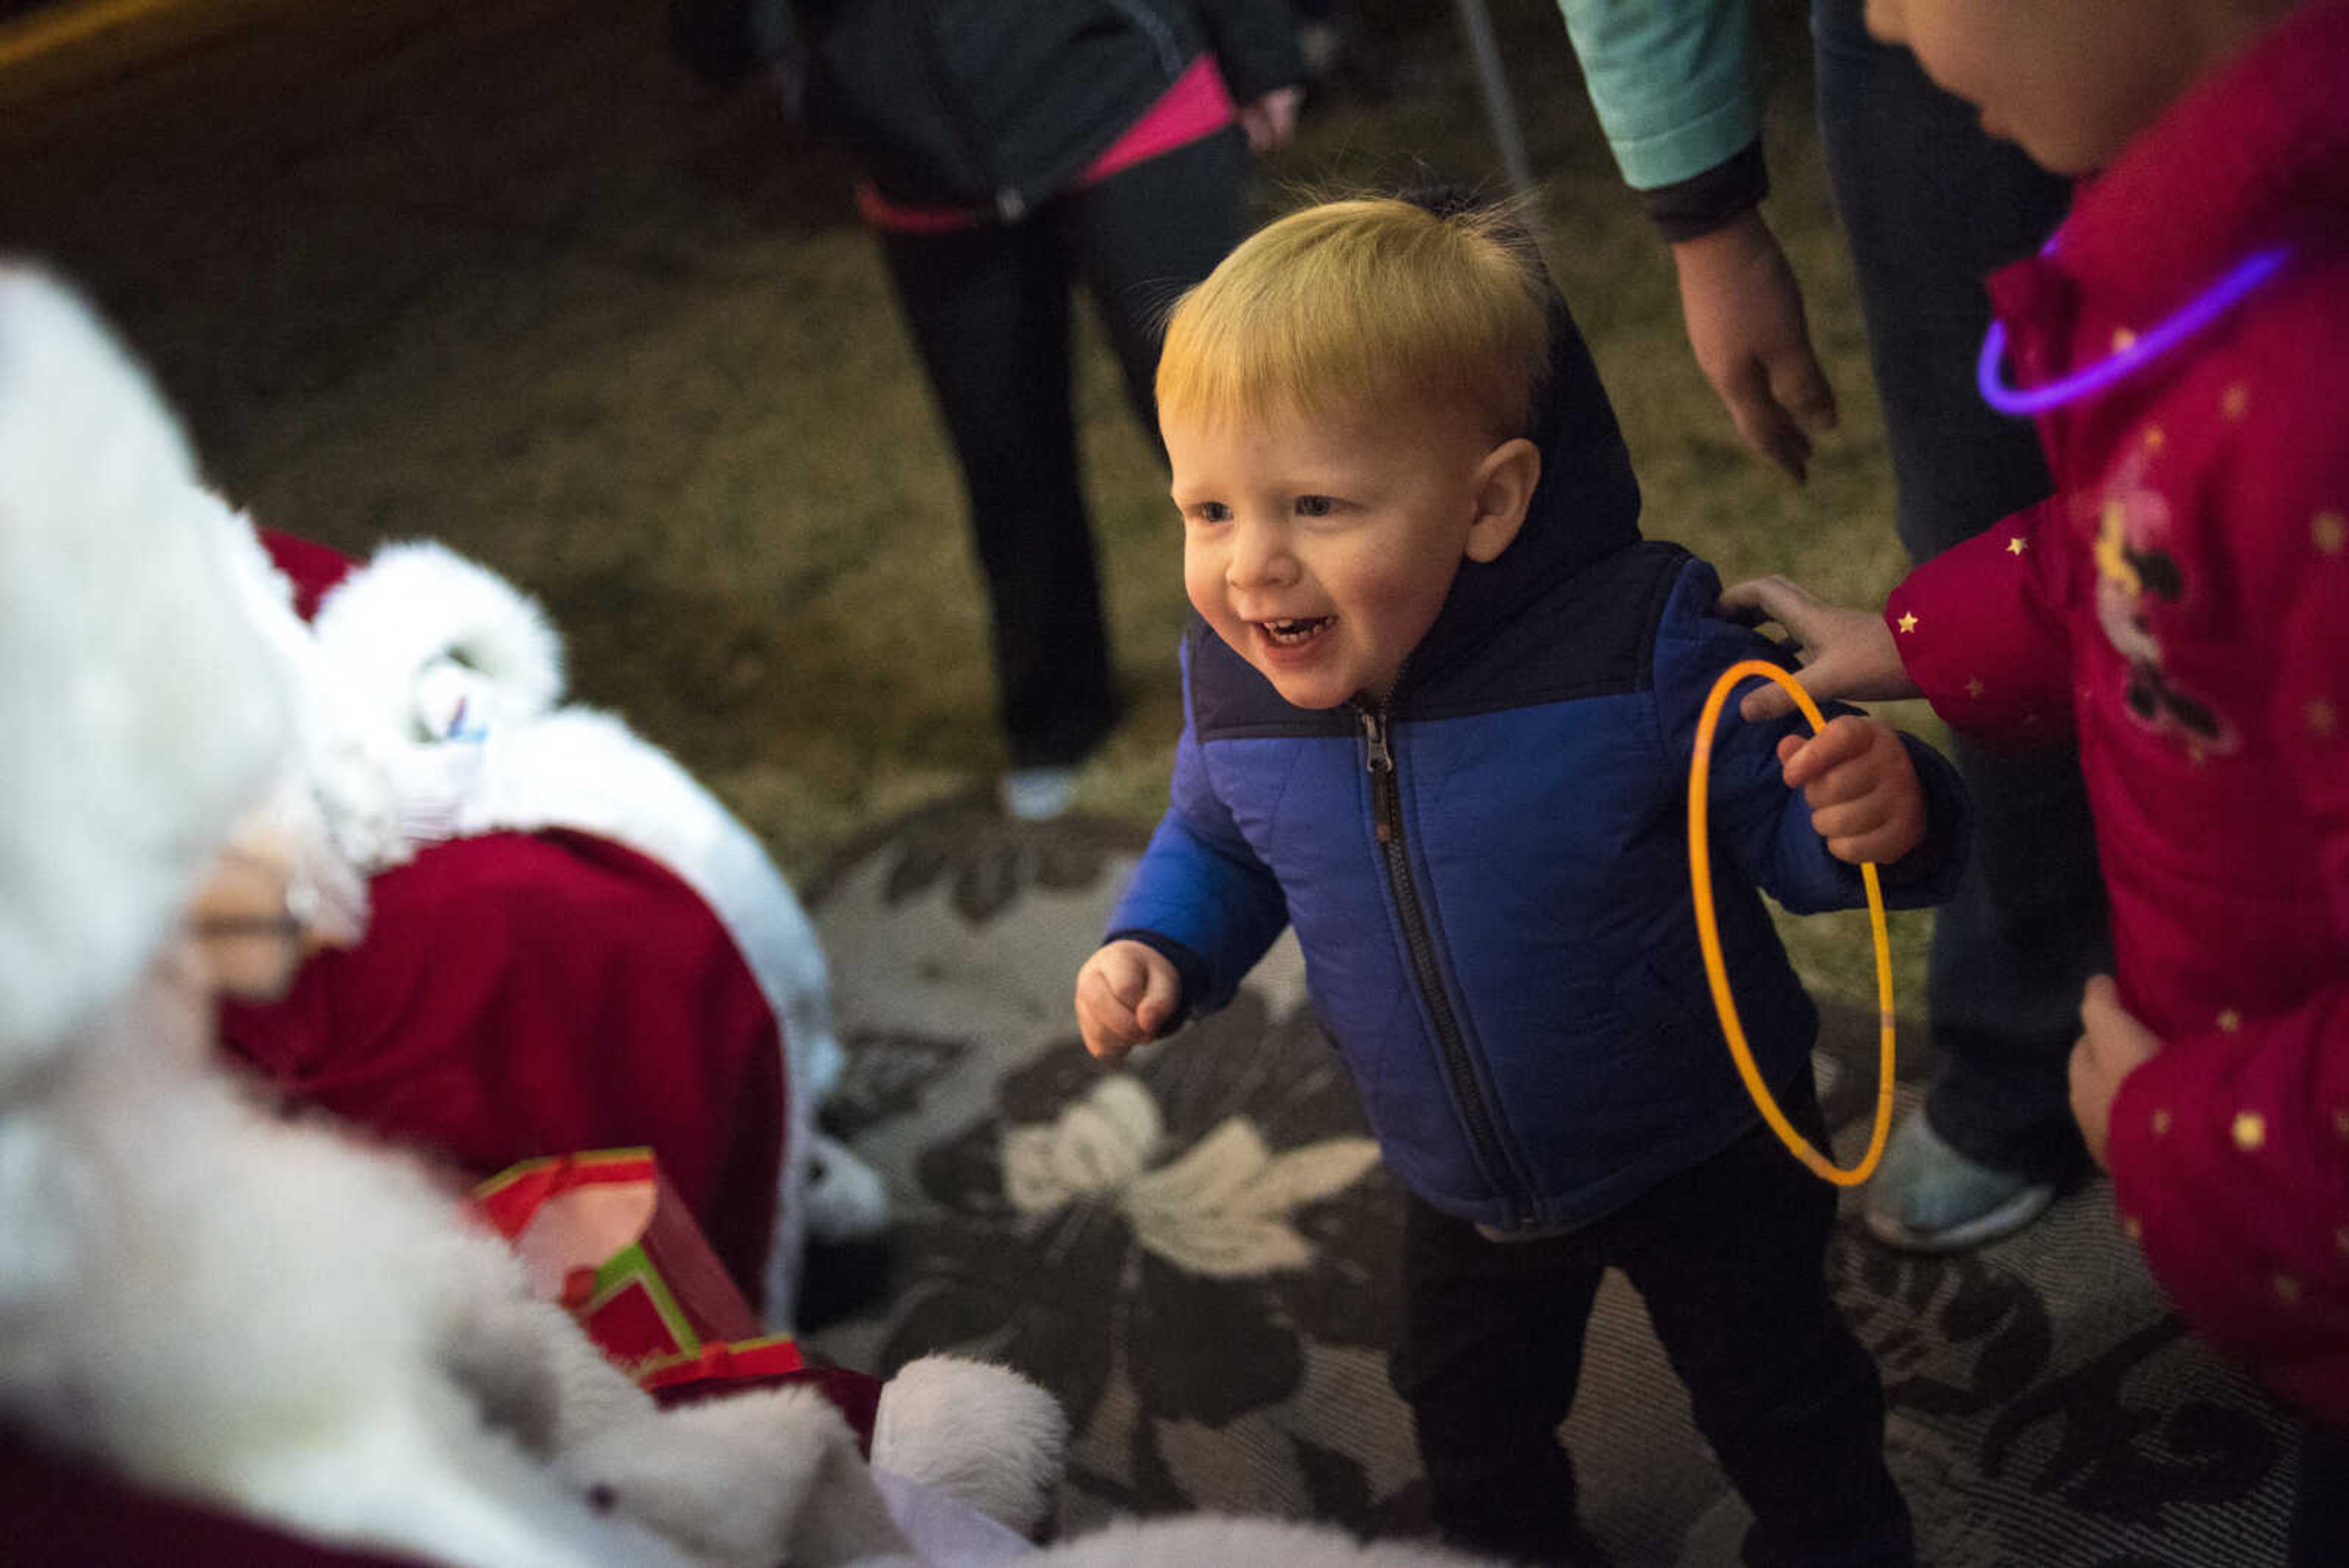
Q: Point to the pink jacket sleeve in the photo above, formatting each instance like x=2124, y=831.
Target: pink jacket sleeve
x=1980, y=628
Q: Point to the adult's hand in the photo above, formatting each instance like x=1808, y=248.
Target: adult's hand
x=1745, y=322
x=1846, y=653
x=1271, y=121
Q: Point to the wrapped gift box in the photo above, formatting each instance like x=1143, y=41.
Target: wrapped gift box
x=606, y=1236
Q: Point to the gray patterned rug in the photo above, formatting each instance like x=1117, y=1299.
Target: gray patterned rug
x=1195, y=1251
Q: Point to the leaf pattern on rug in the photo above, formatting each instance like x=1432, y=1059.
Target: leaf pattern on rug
x=1158, y=1202
x=1196, y=1252
x=2124, y=1458
x=883, y=1075
x=988, y=861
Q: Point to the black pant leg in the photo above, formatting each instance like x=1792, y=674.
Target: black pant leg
x=989, y=312
x=1932, y=204
x=1731, y=1258
x=2320, y=1511
x=1491, y=1351
x=1143, y=238
x=2010, y=956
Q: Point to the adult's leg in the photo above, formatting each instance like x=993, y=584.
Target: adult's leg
x=1491, y=1351
x=1143, y=237
x=1731, y=1258
x=2320, y=1517
x=1931, y=205
x=989, y=312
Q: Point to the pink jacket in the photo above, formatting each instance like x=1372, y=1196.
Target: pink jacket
x=2181, y=605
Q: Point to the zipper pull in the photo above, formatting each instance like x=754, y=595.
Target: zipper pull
x=1382, y=790
x=1374, y=730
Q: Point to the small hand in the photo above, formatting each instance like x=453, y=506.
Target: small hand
x=1271, y=121
x=1125, y=994
x=2111, y=1046
x=1846, y=653
x=1861, y=787
x=1745, y=323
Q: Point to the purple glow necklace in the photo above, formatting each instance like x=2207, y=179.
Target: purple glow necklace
x=2197, y=313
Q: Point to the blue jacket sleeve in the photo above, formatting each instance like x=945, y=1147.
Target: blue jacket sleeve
x=1754, y=817
x=1677, y=83
x=1200, y=895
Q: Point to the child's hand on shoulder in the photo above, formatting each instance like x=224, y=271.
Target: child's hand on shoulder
x=1125, y=994
x=1862, y=789
x=1846, y=652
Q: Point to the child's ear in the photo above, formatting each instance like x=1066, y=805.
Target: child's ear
x=1505, y=489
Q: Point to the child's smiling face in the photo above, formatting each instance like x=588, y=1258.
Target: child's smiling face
x=2071, y=81
x=1320, y=548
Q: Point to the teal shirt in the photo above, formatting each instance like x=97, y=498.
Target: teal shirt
x=1677, y=83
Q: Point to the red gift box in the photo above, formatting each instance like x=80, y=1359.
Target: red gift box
x=604, y=1234
x=742, y=1364
x=720, y=1370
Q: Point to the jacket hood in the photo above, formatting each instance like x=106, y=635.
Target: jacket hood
x=1585, y=508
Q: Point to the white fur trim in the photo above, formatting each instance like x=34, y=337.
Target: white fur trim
x=259, y=1312
x=201, y=1295
x=419, y=634
x=417, y=602
x=141, y=712
x=347, y=754
x=584, y=770
x=974, y=1431
x=753, y=1479
x=846, y=1198
x=1221, y=1542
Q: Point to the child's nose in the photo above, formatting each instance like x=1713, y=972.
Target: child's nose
x=1259, y=557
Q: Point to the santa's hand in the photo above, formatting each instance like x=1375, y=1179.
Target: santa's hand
x=2111, y=1046
x=1125, y=994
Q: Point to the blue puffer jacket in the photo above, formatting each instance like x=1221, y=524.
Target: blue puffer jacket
x=1489, y=874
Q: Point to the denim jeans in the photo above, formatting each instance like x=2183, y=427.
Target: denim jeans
x=1930, y=206
x=2320, y=1517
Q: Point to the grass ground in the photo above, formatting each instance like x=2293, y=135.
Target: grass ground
x=504, y=276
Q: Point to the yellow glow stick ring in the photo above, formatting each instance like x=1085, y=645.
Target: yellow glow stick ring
x=1708, y=936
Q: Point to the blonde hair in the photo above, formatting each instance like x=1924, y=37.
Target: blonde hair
x=1349, y=302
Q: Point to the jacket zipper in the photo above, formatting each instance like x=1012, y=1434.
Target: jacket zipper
x=1386, y=799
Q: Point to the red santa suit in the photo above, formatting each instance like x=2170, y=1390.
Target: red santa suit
x=570, y=945
x=2181, y=605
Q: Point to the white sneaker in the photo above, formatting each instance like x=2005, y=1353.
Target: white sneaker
x=1929, y=1198
x=1039, y=795
x=846, y=1200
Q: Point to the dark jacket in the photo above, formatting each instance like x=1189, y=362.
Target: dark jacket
x=1497, y=926
x=1001, y=103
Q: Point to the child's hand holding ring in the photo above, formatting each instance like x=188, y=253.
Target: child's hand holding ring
x=1861, y=787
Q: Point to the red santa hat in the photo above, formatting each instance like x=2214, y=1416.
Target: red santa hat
x=144, y=711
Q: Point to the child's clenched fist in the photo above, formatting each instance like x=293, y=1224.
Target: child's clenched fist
x=1126, y=993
